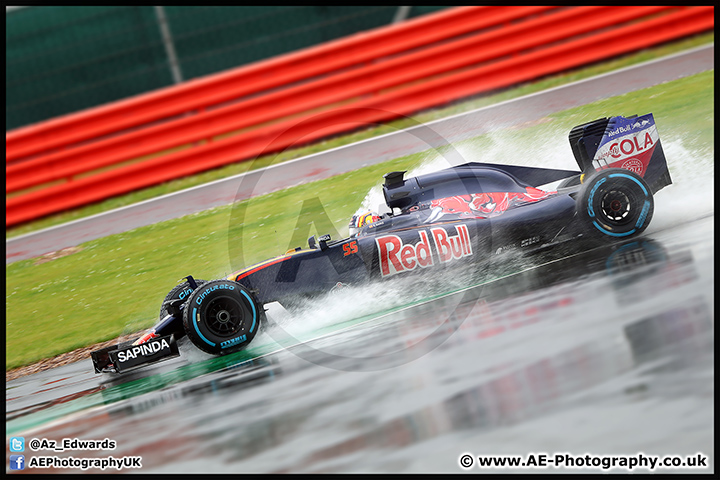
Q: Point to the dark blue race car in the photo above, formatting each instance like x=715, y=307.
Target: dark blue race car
x=461, y=217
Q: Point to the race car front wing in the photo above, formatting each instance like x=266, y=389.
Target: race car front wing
x=122, y=358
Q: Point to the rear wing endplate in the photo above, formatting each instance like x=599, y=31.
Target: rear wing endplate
x=631, y=143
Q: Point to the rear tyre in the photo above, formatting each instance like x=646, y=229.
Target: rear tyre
x=615, y=203
x=222, y=316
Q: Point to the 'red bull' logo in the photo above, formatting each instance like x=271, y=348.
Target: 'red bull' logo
x=452, y=248
x=397, y=257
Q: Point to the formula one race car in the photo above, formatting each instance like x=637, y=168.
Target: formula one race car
x=461, y=216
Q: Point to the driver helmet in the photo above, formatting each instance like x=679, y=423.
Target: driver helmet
x=360, y=220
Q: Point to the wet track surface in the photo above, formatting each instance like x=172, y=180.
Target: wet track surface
x=607, y=352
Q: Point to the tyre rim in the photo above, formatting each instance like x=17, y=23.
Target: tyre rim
x=615, y=206
x=224, y=316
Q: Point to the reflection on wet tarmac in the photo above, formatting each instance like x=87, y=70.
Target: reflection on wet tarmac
x=605, y=352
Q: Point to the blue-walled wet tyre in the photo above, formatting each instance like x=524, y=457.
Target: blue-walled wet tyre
x=222, y=316
x=615, y=203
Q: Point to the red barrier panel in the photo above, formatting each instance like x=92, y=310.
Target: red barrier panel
x=336, y=88
x=201, y=93
x=382, y=107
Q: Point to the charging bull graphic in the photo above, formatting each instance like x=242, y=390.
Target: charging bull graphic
x=483, y=205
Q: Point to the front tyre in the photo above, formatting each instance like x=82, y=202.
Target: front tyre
x=615, y=203
x=222, y=316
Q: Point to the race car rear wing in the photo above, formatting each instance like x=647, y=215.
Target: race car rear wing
x=631, y=143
